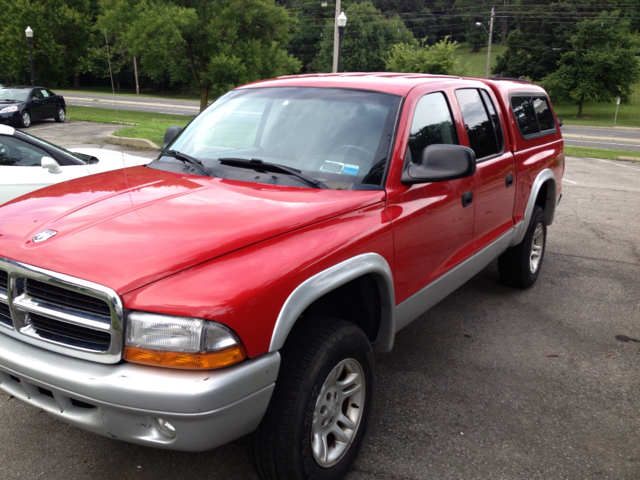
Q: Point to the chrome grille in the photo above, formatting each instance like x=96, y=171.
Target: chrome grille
x=69, y=334
x=60, y=313
x=62, y=297
x=5, y=315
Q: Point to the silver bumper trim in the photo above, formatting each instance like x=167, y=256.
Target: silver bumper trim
x=123, y=401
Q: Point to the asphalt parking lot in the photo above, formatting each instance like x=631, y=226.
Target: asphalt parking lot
x=492, y=383
x=75, y=133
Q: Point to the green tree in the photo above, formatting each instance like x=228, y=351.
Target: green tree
x=417, y=16
x=367, y=40
x=437, y=59
x=477, y=38
x=307, y=36
x=226, y=42
x=602, y=64
x=543, y=32
x=62, y=34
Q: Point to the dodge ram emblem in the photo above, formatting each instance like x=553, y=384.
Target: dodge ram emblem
x=44, y=235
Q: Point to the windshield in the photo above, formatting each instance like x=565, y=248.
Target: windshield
x=14, y=94
x=339, y=137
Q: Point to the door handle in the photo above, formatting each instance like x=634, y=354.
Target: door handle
x=467, y=198
x=509, y=180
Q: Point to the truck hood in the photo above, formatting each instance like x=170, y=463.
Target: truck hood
x=128, y=228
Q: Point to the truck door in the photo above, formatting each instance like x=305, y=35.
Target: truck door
x=432, y=222
x=495, y=182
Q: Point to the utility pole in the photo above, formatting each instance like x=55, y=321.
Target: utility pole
x=135, y=72
x=336, y=39
x=490, y=39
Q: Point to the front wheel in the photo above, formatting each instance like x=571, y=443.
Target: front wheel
x=520, y=266
x=61, y=115
x=25, y=119
x=317, y=417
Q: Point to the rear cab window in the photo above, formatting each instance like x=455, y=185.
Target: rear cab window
x=533, y=115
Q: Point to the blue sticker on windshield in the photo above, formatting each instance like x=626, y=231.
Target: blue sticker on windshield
x=351, y=169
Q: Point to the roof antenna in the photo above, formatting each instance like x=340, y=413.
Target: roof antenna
x=113, y=91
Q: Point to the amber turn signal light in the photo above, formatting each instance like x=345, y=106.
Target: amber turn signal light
x=186, y=361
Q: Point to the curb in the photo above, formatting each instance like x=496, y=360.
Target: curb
x=133, y=142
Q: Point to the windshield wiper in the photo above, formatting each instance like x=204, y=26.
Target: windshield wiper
x=183, y=157
x=261, y=166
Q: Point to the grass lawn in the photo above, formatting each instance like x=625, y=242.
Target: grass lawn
x=144, y=125
x=477, y=62
x=602, y=114
x=599, y=153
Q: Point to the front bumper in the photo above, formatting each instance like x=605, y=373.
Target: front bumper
x=10, y=118
x=124, y=401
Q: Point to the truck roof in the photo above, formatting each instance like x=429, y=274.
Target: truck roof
x=394, y=83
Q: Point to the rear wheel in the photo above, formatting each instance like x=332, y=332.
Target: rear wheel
x=61, y=115
x=520, y=266
x=317, y=417
x=25, y=119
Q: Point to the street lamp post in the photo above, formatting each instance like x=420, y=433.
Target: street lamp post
x=334, y=63
x=29, y=33
x=490, y=33
x=342, y=23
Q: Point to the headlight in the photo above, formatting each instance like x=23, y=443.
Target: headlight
x=180, y=342
x=9, y=109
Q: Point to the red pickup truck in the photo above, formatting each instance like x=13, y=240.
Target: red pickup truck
x=240, y=283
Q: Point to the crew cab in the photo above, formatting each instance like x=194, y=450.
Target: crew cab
x=239, y=284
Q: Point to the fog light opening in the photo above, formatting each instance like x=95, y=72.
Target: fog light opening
x=166, y=429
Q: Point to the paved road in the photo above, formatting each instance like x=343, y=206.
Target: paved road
x=616, y=138
x=129, y=102
x=491, y=383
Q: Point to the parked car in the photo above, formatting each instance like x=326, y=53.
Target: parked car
x=19, y=106
x=28, y=163
x=240, y=283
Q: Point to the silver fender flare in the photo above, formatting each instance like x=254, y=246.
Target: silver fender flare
x=330, y=279
x=543, y=177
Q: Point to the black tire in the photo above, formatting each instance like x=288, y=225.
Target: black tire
x=61, y=115
x=25, y=119
x=520, y=265
x=282, y=447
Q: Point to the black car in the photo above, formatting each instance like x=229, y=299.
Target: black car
x=21, y=105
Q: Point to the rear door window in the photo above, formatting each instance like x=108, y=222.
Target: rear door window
x=533, y=115
x=480, y=128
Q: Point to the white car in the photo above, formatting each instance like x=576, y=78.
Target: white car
x=28, y=163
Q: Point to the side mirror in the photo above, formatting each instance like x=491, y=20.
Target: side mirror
x=170, y=135
x=440, y=162
x=559, y=121
x=50, y=164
